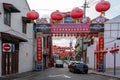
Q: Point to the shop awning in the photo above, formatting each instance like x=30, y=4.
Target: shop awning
x=26, y=20
x=10, y=7
x=11, y=37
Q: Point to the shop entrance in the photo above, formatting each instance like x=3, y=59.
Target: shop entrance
x=9, y=63
x=10, y=58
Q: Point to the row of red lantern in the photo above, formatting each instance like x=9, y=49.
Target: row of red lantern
x=71, y=34
x=75, y=13
x=70, y=29
x=65, y=54
x=86, y=34
x=112, y=50
x=102, y=51
x=61, y=48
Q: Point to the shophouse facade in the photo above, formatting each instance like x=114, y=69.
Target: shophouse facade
x=111, y=37
x=16, y=38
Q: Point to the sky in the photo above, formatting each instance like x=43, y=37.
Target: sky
x=46, y=7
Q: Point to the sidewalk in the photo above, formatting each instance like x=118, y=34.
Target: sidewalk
x=19, y=75
x=108, y=72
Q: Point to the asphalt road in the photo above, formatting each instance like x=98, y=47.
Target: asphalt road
x=63, y=74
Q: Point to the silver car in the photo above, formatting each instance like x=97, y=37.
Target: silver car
x=59, y=63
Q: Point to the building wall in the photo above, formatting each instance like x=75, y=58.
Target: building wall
x=0, y=57
x=90, y=55
x=112, y=32
x=109, y=58
x=25, y=48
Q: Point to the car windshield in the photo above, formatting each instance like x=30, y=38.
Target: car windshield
x=79, y=64
x=59, y=61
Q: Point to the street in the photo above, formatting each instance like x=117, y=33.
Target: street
x=63, y=74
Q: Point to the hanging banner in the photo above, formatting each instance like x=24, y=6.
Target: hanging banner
x=39, y=49
x=39, y=62
x=101, y=55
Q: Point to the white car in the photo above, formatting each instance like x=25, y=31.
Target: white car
x=59, y=63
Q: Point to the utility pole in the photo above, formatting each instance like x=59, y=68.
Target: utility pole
x=84, y=7
x=84, y=18
x=114, y=60
x=70, y=45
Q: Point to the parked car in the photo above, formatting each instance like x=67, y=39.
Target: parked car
x=70, y=62
x=78, y=67
x=59, y=63
x=66, y=61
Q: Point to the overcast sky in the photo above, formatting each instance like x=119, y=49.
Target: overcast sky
x=46, y=7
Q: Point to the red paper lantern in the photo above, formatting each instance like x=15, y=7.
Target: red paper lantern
x=102, y=6
x=112, y=51
x=32, y=15
x=57, y=16
x=104, y=52
x=76, y=13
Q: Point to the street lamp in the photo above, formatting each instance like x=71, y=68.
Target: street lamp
x=114, y=51
x=104, y=52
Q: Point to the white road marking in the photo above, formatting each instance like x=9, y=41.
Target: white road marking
x=62, y=75
x=54, y=75
x=67, y=76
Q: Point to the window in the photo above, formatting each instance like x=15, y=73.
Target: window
x=24, y=27
x=7, y=17
x=8, y=9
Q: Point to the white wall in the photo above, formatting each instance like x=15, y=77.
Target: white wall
x=90, y=54
x=0, y=57
x=112, y=31
x=25, y=48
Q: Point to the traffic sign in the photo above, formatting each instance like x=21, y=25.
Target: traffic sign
x=7, y=47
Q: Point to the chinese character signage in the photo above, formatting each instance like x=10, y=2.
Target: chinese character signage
x=44, y=28
x=96, y=27
x=101, y=55
x=39, y=49
x=68, y=19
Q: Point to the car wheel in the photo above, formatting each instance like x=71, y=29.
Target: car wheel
x=69, y=70
x=86, y=72
x=74, y=71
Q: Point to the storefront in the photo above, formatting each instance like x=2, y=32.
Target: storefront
x=10, y=53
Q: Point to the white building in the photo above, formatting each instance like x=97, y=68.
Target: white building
x=111, y=35
x=15, y=30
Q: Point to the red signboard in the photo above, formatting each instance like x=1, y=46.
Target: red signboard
x=39, y=49
x=101, y=47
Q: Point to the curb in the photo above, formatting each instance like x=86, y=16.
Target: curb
x=104, y=74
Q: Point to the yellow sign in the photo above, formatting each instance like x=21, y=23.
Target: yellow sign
x=39, y=34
